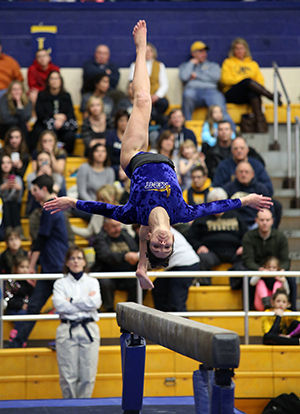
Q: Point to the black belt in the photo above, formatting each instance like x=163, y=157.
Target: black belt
x=82, y=322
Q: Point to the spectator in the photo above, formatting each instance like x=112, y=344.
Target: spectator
x=49, y=248
x=158, y=84
x=12, y=252
x=170, y=294
x=239, y=152
x=18, y=292
x=126, y=103
x=15, y=108
x=210, y=126
x=263, y=242
x=95, y=173
x=200, y=187
x=218, y=238
x=101, y=87
x=76, y=298
x=243, y=81
x=265, y=287
x=100, y=65
x=54, y=109
x=15, y=147
x=94, y=125
x=280, y=329
x=116, y=251
x=38, y=73
x=189, y=158
x=166, y=145
x=9, y=71
x=177, y=127
x=200, y=78
x=11, y=190
x=114, y=139
x=245, y=182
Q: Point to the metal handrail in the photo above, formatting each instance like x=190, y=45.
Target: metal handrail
x=276, y=76
x=105, y=275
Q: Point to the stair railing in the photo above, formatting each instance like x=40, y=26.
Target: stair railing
x=296, y=202
x=275, y=145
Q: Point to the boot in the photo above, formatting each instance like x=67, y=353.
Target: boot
x=260, y=90
x=261, y=123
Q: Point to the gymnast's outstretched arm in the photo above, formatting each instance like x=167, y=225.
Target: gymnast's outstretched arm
x=141, y=272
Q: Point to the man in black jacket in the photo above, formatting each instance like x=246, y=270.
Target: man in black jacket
x=116, y=251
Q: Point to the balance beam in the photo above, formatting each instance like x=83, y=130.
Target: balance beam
x=215, y=347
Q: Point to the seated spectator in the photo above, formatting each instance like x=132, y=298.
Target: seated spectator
x=54, y=110
x=116, y=251
x=265, y=287
x=243, y=81
x=263, y=242
x=11, y=190
x=17, y=293
x=9, y=71
x=101, y=87
x=15, y=147
x=12, y=252
x=200, y=186
x=166, y=145
x=48, y=143
x=170, y=294
x=245, y=182
x=210, y=126
x=280, y=329
x=114, y=139
x=188, y=159
x=158, y=84
x=200, y=78
x=239, y=152
x=49, y=248
x=177, y=127
x=77, y=298
x=94, y=125
x=100, y=65
x=221, y=150
x=38, y=73
x=15, y=108
x=94, y=174
x=217, y=238
x=126, y=103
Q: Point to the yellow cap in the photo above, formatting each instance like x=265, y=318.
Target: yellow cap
x=198, y=45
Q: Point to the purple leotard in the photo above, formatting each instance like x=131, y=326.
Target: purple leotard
x=154, y=185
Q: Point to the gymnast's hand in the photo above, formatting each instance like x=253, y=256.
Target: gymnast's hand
x=257, y=201
x=144, y=280
x=59, y=204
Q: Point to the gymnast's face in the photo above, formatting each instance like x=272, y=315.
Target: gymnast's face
x=161, y=243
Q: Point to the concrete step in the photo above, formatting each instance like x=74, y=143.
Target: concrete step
x=295, y=261
x=293, y=239
x=277, y=181
x=285, y=196
x=290, y=219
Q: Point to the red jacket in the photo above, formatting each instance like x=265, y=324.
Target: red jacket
x=37, y=76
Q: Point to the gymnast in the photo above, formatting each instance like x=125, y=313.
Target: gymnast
x=155, y=200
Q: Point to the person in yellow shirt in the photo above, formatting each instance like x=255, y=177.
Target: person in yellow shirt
x=242, y=81
x=280, y=329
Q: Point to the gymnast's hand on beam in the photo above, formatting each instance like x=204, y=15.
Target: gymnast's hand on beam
x=59, y=204
x=257, y=201
x=144, y=280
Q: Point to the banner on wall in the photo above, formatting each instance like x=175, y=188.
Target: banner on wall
x=44, y=37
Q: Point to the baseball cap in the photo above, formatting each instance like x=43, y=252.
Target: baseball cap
x=198, y=45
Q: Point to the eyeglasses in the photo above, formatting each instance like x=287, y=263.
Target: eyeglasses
x=76, y=258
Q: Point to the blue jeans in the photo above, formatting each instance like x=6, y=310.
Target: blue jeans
x=195, y=98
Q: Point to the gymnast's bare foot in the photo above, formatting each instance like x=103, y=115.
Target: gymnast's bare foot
x=140, y=34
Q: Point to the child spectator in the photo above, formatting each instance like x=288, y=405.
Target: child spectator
x=12, y=252
x=17, y=293
x=48, y=143
x=189, y=158
x=210, y=126
x=280, y=329
x=94, y=125
x=266, y=286
x=15, y=146
x=76, y=298
x=11, y=189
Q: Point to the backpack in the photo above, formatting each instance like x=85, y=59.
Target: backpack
x=283, y=404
